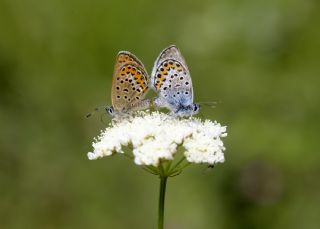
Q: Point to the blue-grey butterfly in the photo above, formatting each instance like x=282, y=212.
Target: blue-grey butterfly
x=171, y=79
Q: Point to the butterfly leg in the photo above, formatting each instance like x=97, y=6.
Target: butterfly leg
x=159, y=102
x=143, y=104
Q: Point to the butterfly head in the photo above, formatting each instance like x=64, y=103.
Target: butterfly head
x=113, y=112
x=188, y=110
x=110, y=111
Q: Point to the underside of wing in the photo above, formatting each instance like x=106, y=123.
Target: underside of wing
x=171, y=52
x=171, y=77
x=173, y=83
x=130, y=82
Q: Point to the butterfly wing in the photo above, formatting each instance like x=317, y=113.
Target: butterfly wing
x=130, y=82
x=171, y=78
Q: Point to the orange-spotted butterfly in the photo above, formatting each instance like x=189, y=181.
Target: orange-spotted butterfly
x=171, y=79
x=129, y=85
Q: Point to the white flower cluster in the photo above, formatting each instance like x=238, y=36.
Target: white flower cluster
x=154, y=136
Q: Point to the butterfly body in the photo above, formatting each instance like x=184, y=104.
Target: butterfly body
x=172, y=81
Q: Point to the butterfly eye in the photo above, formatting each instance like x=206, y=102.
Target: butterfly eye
x=195, y=108
x=109, y=110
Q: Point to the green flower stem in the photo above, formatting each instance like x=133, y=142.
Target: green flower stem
x=163, y=184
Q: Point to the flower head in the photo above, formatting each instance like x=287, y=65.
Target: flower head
x=155, y=136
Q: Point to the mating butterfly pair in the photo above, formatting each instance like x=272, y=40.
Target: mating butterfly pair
x=170, y=78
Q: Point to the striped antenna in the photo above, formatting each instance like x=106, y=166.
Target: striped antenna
x=95, y=110
x=209, y=104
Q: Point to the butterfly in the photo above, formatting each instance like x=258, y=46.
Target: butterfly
x=171, y=79
x=130, y=84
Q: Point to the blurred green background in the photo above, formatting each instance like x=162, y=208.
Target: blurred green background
x=260, y=59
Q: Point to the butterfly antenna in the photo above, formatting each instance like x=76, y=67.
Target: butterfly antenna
x=210, y=104
x=95, y=110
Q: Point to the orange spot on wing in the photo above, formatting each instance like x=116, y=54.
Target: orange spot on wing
x=158, y=85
